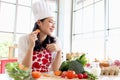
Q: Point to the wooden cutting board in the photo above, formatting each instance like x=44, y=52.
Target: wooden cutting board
x=57, y=78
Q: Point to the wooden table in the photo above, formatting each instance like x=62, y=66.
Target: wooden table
x=100, y=78
x=53, y=77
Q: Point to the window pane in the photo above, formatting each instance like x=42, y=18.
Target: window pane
x=93, y=44
x=16, y=42
x=97, y=0
x=12, y=1
x=78, y=22
x=88, y=19
x=113, y=44
x=99, y=16
x=78, y=4
x=6, y=40
x=7, y=17
x=23, y=19
x=88, y=2
x=114, y=13
x=25, y=2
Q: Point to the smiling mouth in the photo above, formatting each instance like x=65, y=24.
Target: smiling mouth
x=51, y=30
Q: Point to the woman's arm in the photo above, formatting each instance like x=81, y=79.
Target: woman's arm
x=26, y=46
x=55, y=47
x=27, y=60
x=57, y=61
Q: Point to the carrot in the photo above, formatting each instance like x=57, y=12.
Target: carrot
x=46, y=75
x=57, y=73
x=25, y=68
x=37, y=30
x=22, y=67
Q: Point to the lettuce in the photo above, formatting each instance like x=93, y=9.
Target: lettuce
x=15, y=72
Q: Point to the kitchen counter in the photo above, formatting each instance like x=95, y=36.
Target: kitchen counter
x=100, y=78
x=52, y=77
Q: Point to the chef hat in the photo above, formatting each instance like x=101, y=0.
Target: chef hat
x=41, y=10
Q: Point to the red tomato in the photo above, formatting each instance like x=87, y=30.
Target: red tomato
x=85, y=75
x=80, y=76
x=70, y=74
x=36, y=74
x=63, y=75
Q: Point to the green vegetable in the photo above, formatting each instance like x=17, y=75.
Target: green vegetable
x=76, y=66
x=82, y=59
x=15, y=72
x=91, y=76
x=64, y=66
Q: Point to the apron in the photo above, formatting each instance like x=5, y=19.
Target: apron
x=41, y=60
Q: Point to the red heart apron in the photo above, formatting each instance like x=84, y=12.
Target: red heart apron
x=41, y=60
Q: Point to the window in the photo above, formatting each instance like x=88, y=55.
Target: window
x=17, y=22
x=96, y=28
x=113, y=41
x=7, y=21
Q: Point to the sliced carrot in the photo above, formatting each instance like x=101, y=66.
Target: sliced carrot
x=25, y=68
x=21, y=66
x=57, y=73
x=37, y=30
x=46, y=75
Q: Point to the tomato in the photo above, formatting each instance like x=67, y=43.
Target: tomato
x=85, y=75
x=80, y=76
x=36, y=74
x=70, y=74
x=63, y=75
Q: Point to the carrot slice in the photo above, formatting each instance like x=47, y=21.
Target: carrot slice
x=22, y=67
x=37, y=30
x=46, y=75
x=57, y=73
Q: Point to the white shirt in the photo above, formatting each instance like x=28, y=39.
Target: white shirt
x=23, y=46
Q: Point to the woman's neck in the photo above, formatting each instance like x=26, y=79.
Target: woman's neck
x=42, y=37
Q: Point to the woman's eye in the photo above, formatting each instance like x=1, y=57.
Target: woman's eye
x=52, y=22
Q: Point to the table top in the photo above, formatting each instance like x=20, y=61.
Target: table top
x=53, y=77
x=59, y=78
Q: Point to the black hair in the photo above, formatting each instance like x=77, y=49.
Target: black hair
x=49, y=39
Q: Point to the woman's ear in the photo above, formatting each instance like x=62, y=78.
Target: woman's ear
x=39, y=23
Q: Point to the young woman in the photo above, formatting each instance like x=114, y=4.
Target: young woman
x=40, y=50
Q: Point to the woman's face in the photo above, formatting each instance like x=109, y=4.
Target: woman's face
x=47, y=26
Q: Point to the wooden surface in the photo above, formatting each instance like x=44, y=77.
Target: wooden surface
x=53, y=77
x=57, y=78
x=100, y=78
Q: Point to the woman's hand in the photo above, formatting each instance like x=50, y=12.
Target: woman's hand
x=32, y=38
x=53, y=47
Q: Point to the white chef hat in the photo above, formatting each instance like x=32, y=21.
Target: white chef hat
x=41, y=10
